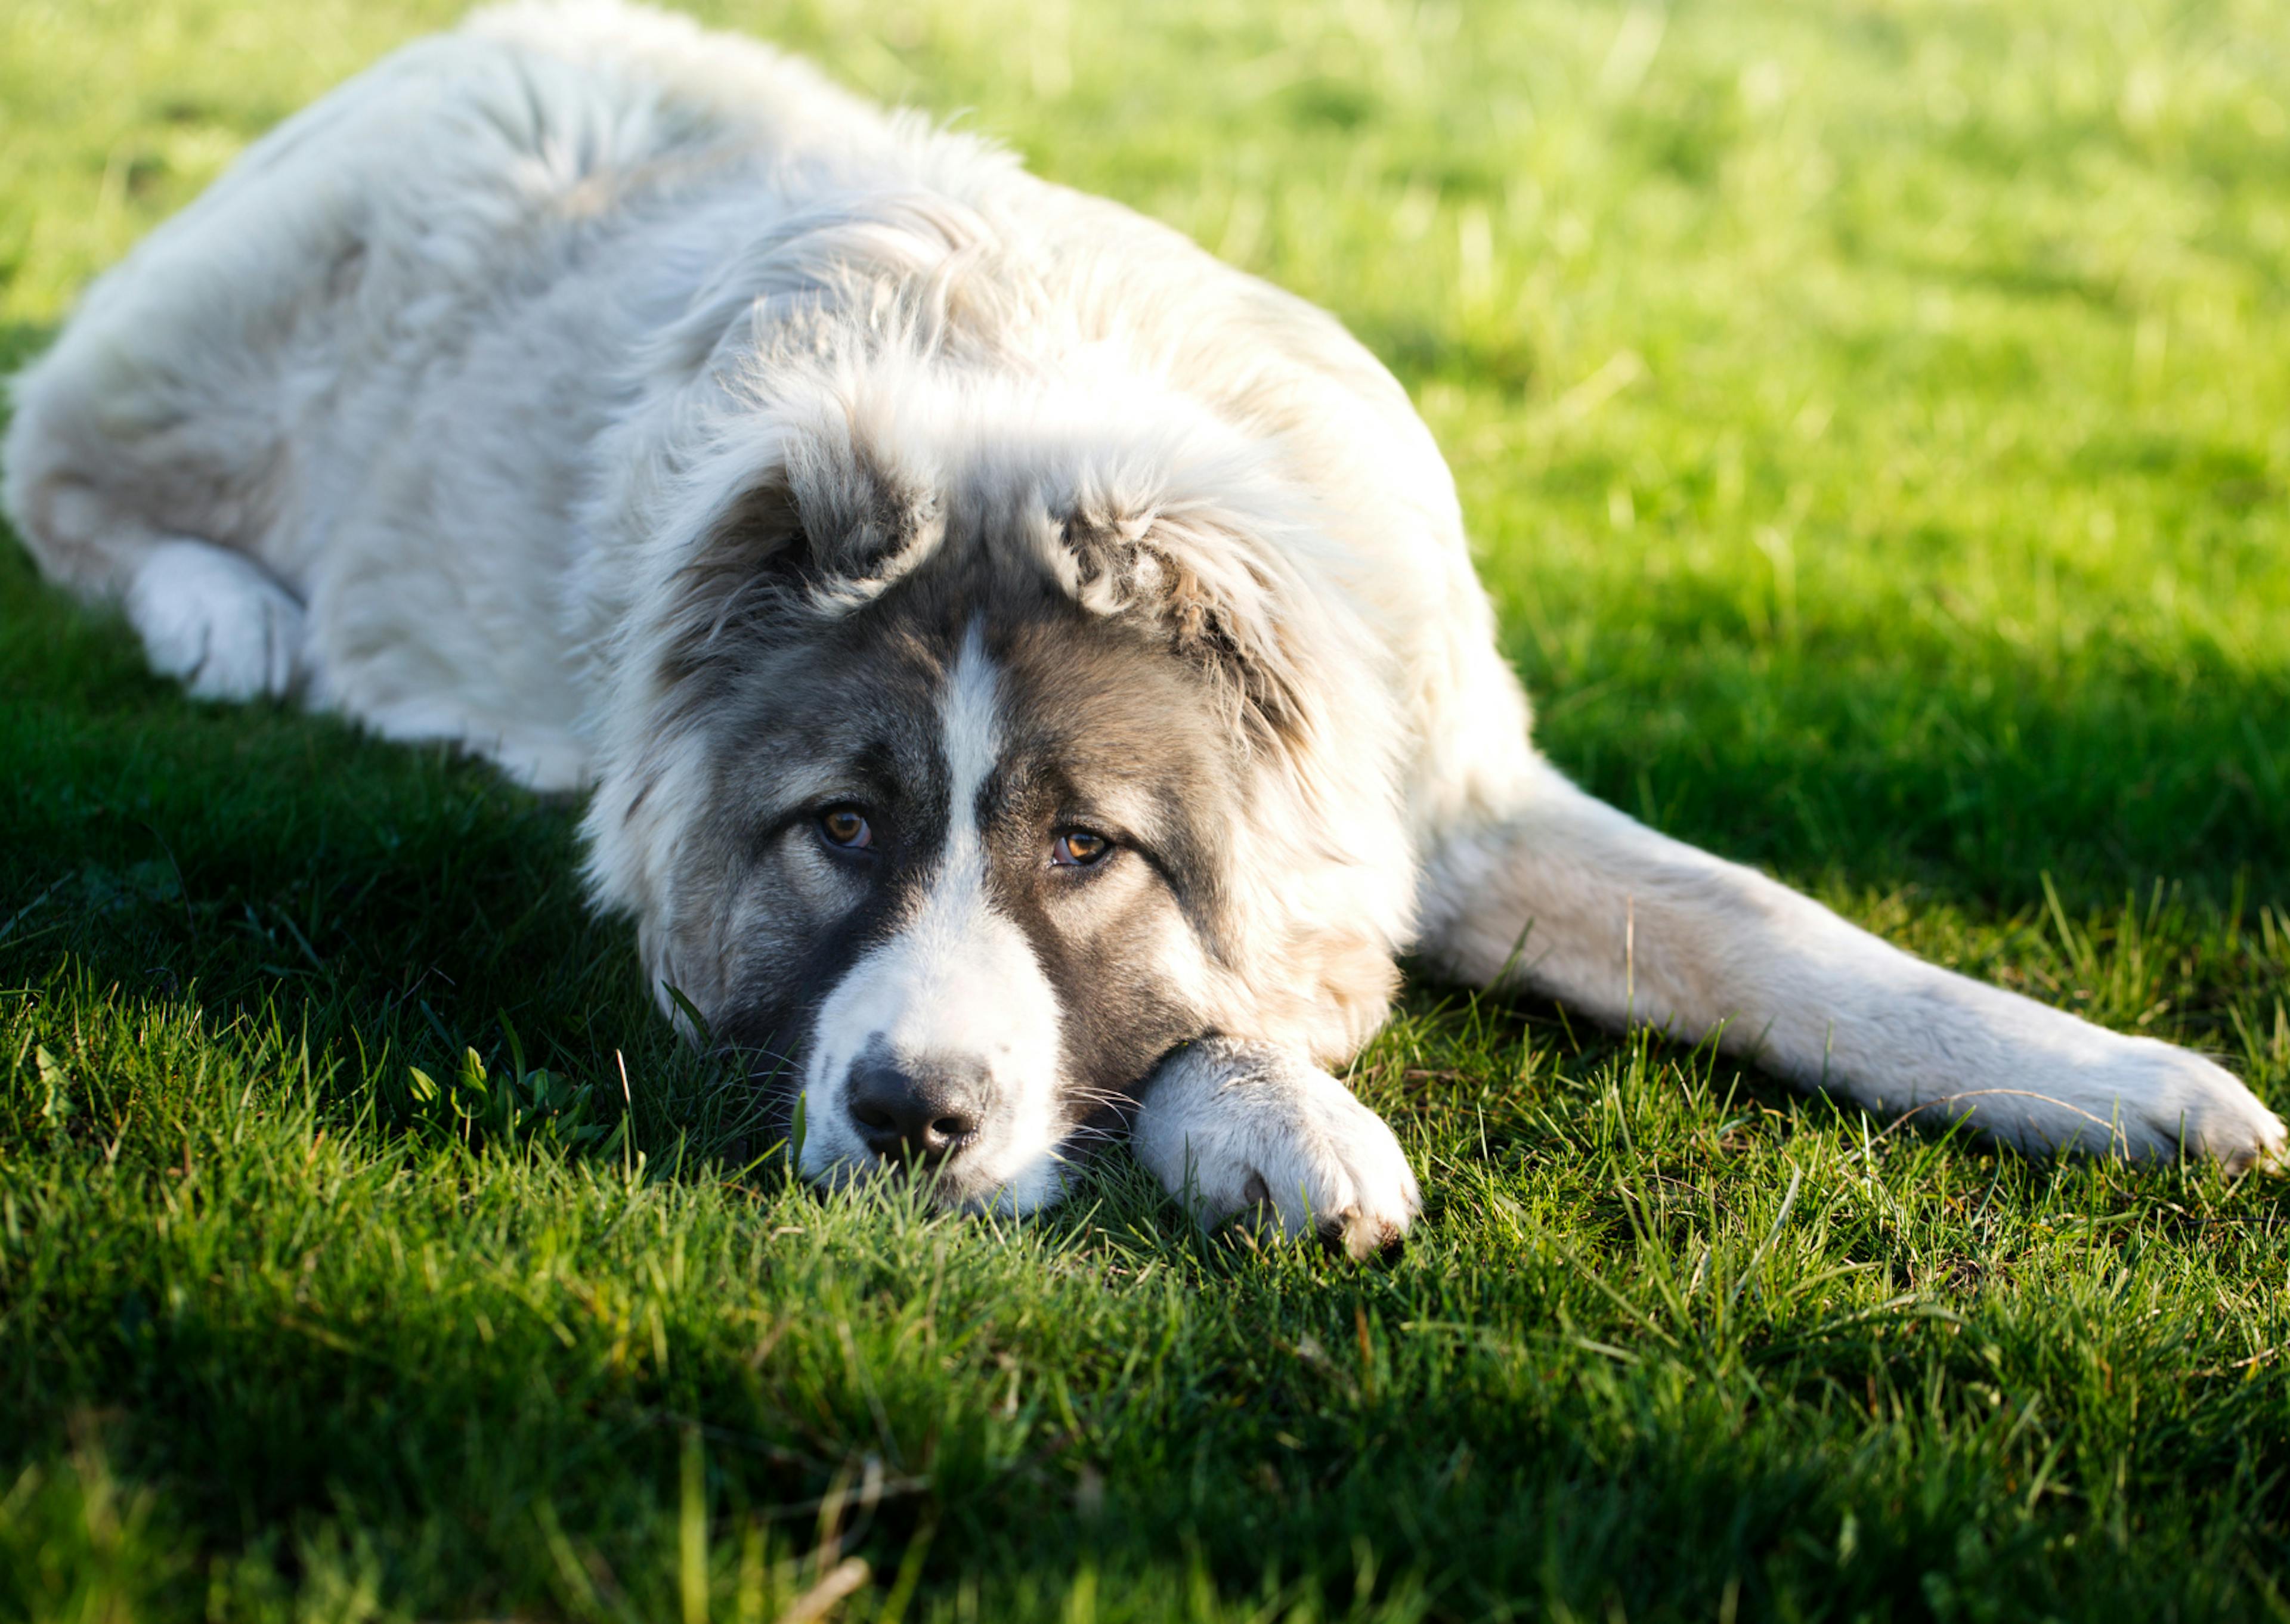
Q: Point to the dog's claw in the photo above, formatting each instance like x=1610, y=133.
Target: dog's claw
x=1361, y=1238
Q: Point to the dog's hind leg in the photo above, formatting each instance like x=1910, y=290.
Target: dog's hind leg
x=1567, y=897
x=216, y=622
x=175, y=411
x=105, y=518
x=128, y=484
x=147, y=450
x=160, y=413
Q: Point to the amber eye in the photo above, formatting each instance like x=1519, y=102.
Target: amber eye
x=846, y=829
x=1079, y=849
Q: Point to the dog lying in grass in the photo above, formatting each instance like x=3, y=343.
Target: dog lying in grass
x=1030, y=676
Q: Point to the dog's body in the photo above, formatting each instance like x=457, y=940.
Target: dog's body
x=1029, y=673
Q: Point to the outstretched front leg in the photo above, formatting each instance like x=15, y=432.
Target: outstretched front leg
x=1228, y=1124
x=1569, y=896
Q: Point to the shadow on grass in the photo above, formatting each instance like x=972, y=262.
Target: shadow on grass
x=1959, y=772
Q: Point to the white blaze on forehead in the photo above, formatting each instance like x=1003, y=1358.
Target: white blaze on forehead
x=959, y=983
x=970, y=732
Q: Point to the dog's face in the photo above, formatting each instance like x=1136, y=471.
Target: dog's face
x=958, y=811
x=967, y=876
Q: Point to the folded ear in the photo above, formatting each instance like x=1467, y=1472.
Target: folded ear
x=862, y=518
x=1221, y=596
x=814, y=537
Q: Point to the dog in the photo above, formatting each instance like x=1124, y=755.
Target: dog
x=1029, y=676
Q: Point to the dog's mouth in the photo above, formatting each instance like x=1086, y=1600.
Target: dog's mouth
x=954, y=1186
x=978, y=1172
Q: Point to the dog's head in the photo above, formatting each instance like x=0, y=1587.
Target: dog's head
x=967, y=760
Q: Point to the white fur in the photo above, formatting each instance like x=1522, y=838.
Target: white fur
x=470, y=358
x=215, y=622
x=957, y=982
x=1231, y=1126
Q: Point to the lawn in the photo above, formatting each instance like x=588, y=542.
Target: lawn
x=1874, y=416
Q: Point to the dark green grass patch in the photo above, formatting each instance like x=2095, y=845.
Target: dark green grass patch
x=1872, y=421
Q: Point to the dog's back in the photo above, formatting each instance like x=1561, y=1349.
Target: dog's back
x=374, y=361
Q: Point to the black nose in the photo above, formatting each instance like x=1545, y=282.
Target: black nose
x=920, y=1112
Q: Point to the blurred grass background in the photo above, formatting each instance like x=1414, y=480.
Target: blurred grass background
x=1872, y=418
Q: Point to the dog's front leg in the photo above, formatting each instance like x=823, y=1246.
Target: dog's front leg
x=1566, y=895
x=1228, y=1124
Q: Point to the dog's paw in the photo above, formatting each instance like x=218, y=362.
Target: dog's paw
x=2099, y=1092
x=2169, y=1100
x=216, y=622
x=1229, y=1126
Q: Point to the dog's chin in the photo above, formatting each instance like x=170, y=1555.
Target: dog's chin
x=980, y=1190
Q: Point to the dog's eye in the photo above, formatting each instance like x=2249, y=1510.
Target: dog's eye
x=846, y=828
x=1079, y=849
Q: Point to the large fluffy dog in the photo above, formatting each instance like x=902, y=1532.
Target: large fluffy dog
x=1031, y=674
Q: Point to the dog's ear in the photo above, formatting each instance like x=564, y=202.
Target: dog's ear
x=759, y=533
x=748, y=567
x=816, y=536
x=862, y=518
x=1219, y=596
x=822, y=522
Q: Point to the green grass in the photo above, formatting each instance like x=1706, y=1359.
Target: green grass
x=1875, y=419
